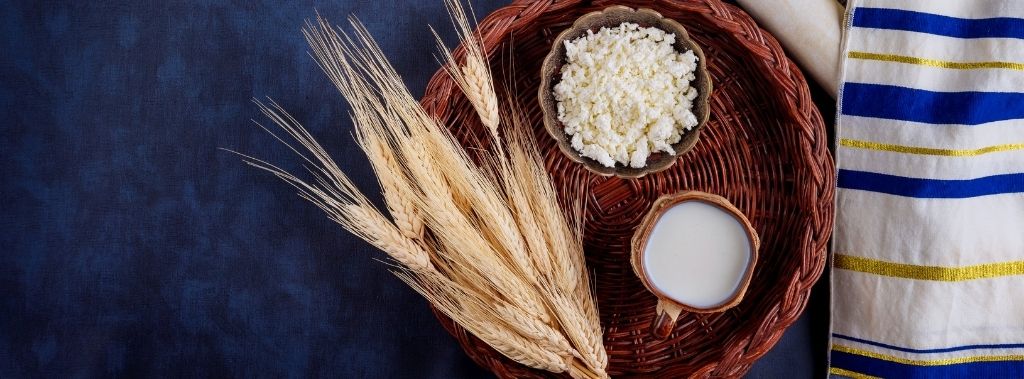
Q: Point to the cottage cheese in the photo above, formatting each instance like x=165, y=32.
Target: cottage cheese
x=625, y=93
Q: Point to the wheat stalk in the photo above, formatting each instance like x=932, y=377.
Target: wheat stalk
x=475, y=317
x=397, y=194
x=485, y=242
x=337, y=196
x=385, y=236
x=568, y=287
x=476, y=84
x=474, y=76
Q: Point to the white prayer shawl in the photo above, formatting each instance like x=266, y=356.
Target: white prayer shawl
x=928, y=271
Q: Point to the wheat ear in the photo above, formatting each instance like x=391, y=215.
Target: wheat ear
x=337, y=196
x=397, y=194
x=473, y=76
x=477, y=87
x=493, y=331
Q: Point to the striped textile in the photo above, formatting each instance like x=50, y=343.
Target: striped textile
x=928, y=269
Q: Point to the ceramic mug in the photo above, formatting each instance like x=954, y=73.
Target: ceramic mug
x=669, y=309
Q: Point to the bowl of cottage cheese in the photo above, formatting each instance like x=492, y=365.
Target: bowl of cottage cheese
x=624, y=92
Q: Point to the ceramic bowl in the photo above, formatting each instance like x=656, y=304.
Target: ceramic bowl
x=668, y=309
x=611, y=17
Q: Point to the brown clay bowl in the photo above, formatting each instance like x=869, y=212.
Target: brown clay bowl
x=611, y=17
x=668, y=310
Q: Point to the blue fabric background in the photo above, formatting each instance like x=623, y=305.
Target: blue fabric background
x=131, y=246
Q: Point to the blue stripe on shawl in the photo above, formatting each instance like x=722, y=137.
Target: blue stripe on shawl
x=896, y=19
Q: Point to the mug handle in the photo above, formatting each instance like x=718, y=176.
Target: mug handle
x=665, y=318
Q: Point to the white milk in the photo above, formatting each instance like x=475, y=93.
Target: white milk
x=697, y=254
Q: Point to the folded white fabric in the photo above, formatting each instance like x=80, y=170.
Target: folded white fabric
x=928, y=272
x=810, y=31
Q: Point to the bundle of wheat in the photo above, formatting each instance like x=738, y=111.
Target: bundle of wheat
x=486, y=242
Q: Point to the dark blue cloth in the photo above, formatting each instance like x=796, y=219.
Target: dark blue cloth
x=131, y=246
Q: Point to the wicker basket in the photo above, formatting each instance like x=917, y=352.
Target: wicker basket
x=764, y=149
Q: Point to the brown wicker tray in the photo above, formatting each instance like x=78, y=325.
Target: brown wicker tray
x=764, y=149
